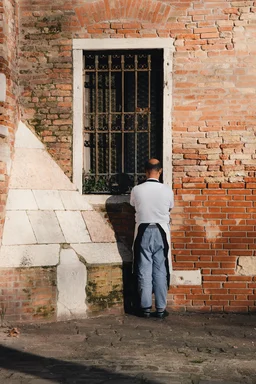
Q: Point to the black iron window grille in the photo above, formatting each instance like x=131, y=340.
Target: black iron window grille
x=123, y=117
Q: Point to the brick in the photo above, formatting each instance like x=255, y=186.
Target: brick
x=206, y=30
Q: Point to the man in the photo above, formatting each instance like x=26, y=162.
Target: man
x=152, y=201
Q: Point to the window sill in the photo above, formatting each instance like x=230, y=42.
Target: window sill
x=107, y=199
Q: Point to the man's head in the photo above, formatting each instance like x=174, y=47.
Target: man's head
x=153, y=169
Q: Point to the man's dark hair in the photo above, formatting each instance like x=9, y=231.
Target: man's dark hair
x=152, y=167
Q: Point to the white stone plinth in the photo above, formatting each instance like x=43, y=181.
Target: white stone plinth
x=71, y=282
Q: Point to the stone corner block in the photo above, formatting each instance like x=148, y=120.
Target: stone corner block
x=99, y=230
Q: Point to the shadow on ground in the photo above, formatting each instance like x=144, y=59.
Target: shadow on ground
x=59, y=371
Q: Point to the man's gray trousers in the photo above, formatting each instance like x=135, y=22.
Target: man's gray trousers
x=152, y=274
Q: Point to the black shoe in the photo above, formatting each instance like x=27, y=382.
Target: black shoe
x=161, y=315
x=145, y=314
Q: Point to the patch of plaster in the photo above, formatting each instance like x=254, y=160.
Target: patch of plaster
x=212, y=231
x=246, y=266
x=186, y=277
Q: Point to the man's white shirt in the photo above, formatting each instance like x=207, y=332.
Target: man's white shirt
x=152, y=201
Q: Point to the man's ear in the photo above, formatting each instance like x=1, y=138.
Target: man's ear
x=161, y=171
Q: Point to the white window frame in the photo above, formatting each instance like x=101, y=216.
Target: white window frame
x=80, y=45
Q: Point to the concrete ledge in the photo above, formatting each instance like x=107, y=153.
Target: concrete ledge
x=107, y=199
x=21, y=256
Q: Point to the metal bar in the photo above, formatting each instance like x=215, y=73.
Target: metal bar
x=87, y=121
x=117, y=113
x=96, y=116
x=149, y=106
x=117, y=70
x=125, y=133
x=114, y=173
x=122, y=118
x=109, y=116
x=136, y=119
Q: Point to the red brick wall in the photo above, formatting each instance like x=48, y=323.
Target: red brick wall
x=9, y=109
x=213, y=121
x=28, y=294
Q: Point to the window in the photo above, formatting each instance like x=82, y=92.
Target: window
x=123, y=117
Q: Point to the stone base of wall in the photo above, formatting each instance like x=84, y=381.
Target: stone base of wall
x=31, y=294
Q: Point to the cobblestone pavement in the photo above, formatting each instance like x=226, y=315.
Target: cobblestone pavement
x=181, y=349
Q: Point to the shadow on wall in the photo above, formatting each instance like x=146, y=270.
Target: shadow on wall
x=58, y=371
x=121, y=216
